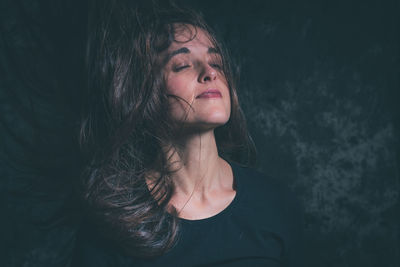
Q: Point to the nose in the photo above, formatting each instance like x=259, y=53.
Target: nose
x=207, y=74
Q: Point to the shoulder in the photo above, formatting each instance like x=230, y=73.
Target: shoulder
x=268, y=202
x=263, y=188
x=273, y=208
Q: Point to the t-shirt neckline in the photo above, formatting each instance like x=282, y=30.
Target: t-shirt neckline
x=227, y=210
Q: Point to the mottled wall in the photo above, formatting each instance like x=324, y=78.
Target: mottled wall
x=320, y=90
x=319, y=87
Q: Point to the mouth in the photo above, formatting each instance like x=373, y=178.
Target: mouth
x=210, y=93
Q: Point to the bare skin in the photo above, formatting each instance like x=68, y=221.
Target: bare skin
x=204, y=181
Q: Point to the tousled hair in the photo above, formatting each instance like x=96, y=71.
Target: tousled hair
x=125, y=124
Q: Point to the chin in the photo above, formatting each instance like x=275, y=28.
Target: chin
x=207, y=120
x=206, y=124
x=215, y=122
x=215, y=117
x=220, y=121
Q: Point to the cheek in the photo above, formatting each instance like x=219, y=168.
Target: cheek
x=179, y=87
x=180, y=96
x=228, y=103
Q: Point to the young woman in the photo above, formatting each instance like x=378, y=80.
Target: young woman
x=166, y=143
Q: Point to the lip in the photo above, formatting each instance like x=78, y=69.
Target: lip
x=210, y=93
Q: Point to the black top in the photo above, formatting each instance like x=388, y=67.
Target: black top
x=262, y=226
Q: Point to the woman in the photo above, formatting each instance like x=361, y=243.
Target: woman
x=162, y=134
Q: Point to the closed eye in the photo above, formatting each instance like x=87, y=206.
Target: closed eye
x=216, y=66
x=179, y=68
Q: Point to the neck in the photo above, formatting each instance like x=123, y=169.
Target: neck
x=197, y=163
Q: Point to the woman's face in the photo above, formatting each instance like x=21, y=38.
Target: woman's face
x=198, y=92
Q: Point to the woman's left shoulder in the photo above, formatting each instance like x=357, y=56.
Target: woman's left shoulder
x=274, y=208
x=263, y=186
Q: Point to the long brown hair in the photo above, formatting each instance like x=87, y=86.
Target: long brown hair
x=125, y=124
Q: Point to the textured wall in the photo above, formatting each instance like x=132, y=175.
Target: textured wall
x=319, y=87
x=320, y=90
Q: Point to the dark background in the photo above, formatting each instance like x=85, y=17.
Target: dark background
x=319, y=86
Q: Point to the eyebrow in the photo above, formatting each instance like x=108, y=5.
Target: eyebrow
x=185, y=50
x=182, y=50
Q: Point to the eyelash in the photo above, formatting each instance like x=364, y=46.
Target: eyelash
x=213, y=65
x=179, y=68
x=216, y=65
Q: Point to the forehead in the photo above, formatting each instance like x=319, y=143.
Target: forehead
x=188, y=35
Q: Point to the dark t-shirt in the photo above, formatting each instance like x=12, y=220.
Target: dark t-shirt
x=262, y=226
